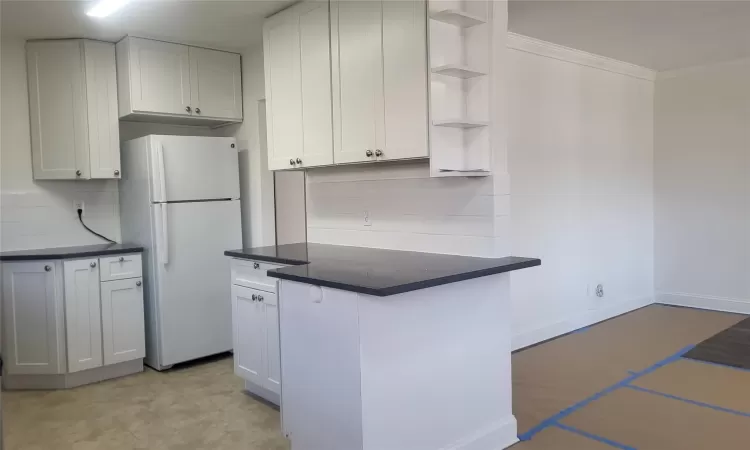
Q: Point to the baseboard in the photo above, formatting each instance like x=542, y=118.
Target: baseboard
x=732, y=305
x=265, y=394
x=581, y=320
x=498, y=436
x=72, y=380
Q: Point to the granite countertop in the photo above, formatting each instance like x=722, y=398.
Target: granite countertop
x=375, y=271
x=82, y=251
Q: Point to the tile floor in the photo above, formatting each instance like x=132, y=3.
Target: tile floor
x=203, y=407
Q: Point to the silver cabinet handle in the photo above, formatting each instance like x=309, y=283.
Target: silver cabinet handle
x=197, y=110
x=378, y=152
x=260, y=298
x=368, y=153
x=117, y=172
x=122, y=258
x=254, y=297
x=137, y=283
x=291, y=162
x=47, y=268
x=187, y=108
x=256, y=266
x=299, y=161
x=78, y=173
x=93, y=264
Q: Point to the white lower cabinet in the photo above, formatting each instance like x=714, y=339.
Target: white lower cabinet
x=61, y=319
x=123, y=333
x=255, y=318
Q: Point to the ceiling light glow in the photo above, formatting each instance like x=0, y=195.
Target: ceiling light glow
x=103, y=8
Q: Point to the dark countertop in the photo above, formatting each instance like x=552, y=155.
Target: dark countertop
x=373, y=271
x=82, y=251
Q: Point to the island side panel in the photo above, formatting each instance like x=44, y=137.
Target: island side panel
x=435, y=367
x=321, y=400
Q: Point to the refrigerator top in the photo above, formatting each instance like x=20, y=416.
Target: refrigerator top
x=193, y=168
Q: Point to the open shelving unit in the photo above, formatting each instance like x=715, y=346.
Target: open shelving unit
x=459, y=43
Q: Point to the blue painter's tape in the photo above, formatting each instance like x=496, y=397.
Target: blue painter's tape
x=568, y=411
x=594, y=437
x=709, y=363
x=687, y=400
x=581, y=330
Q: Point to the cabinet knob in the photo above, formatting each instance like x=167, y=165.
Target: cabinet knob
x=187, y=108
x=254, y=297
x=47, y=268
x=299, y=161
x=260, y=298
x=93, y=264
x=78, y=173
x=256, y=266
x=138, y=283
x=197, y=110
x=378, y=152
x=117, y=172
x=121, y=259
x=291, y=162
x=368, y=153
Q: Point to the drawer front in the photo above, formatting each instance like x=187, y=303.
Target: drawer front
x=120, y=267
x=253, y=274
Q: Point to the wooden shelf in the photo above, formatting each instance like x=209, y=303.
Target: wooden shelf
x=457, y=17
x=459, y=123
x=457, y=71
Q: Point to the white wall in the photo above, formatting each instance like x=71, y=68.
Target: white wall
x=256, y=181
x=580, y=155
x=702, y=187
x=40, y=214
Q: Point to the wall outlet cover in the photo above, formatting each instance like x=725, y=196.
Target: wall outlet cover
x=79, y=204
x=367, y=220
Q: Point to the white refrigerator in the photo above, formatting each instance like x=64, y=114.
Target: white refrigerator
x=179, y=199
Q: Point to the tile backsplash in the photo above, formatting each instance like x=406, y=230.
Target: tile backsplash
x=44, y=216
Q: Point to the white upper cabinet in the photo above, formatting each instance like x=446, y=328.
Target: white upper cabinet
x=297, y=62
x=215, y=83
x=174, y=83
x=347, y=79
x=73, y=108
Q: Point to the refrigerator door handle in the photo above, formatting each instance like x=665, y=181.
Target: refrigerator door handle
x=164, y=235
x=162, y=173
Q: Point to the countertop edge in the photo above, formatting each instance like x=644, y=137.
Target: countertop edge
x=407, y=287
x=69, y=255
x=266, y=258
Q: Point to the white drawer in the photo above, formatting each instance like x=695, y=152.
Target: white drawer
x=253, y=274
x=119, y=267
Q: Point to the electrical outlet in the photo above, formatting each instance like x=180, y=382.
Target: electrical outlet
x=367, y=221
x=79, y=204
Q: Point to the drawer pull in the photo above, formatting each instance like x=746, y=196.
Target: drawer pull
x=137, y=283
x=122, y=258
x=256, y=266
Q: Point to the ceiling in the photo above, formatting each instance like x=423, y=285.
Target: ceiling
x=223, y=24
x=660, y=35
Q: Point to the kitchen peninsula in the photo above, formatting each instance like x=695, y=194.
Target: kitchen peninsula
x=378, y=349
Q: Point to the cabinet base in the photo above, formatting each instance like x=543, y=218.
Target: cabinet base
x=263, y=393
x=71, y=380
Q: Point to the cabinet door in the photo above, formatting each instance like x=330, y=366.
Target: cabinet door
x=358, y=104
x=83, y=323
x=248, y=323
x=103, y=125
x=123, y=332
x=272, y=351
x=33, y=341
x=297, y=60
x=215, y=83
x=405, y=79
x=57, y=105
x=160, y=77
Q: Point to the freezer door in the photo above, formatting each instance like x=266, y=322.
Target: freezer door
x=189, y=168
x=192, y=276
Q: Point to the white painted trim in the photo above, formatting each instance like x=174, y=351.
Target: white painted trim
x=732, y=305
x=559, y=52
x=584, y=319
x=496, y=436
x=694, y=70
